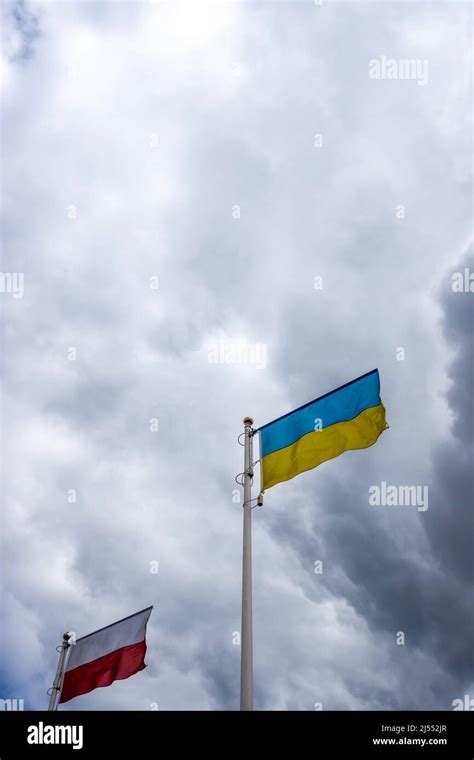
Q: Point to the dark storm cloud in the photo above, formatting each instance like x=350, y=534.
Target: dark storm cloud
x=425, y=589
x=451, y=524
x=21, y=37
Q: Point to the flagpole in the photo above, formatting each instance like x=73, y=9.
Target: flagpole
x=58, y=679
x=246, y=662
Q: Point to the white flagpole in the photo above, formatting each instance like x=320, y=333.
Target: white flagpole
x=58, y=679
x=246, y=663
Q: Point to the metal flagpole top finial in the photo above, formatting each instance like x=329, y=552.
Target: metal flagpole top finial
x=247, y=421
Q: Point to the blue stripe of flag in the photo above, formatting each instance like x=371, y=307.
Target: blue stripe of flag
x=340, y=405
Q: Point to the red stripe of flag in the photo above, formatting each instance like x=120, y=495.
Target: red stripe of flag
x=114, y=666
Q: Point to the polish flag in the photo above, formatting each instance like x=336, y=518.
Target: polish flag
x=107, y=655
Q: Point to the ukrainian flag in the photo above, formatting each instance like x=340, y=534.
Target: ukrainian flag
x=350, y=417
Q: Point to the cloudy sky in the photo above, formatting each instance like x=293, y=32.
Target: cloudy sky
x=181, y=177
